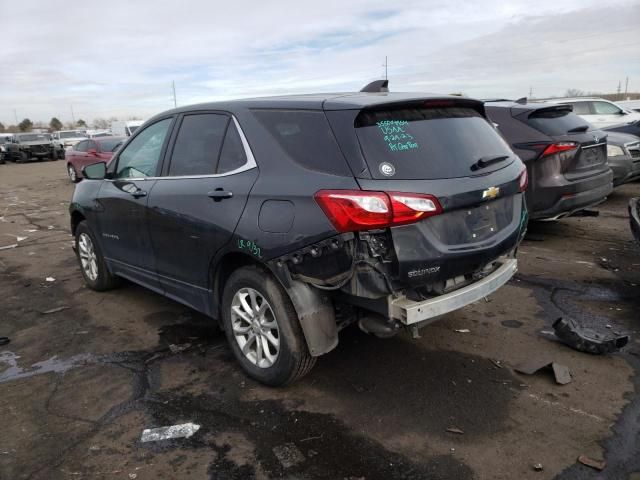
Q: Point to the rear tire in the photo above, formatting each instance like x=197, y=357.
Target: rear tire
x=92, y=263
x=23, y=158
x=275, y=350
x=73, y=175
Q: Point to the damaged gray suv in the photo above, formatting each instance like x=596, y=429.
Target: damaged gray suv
x=272, y=215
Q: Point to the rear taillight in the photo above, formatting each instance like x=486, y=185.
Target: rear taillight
x=559, y=147
x=354, y=210
x=523, y=180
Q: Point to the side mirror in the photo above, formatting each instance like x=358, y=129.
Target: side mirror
x=92, y=151
x=95, y=171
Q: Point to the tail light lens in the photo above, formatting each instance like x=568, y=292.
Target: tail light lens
x=354, y=210
x=559, y=147
x=524, y=180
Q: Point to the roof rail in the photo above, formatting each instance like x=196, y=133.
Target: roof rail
x=377, y=86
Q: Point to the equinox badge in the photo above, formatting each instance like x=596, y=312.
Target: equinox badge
x=491, y=192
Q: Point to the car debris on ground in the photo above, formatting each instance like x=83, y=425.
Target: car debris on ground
x=55, y=310
x=184, y=430
x=592, y=462
x=561, y=372
x=585, y=339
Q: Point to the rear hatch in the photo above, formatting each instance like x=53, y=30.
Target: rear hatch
x=579, y=150
x=445, y=148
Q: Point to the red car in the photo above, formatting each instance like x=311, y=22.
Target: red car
x=90, y=151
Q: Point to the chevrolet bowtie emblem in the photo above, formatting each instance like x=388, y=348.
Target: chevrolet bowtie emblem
x=491, y=193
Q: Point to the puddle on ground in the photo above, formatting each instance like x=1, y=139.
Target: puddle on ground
x=54, y=364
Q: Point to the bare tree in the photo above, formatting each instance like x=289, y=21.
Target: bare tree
x=573, y=92
x=100, y=123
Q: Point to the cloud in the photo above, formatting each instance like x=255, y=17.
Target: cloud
x=119, y=58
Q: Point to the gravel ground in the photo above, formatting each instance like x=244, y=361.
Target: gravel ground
x=85, y=372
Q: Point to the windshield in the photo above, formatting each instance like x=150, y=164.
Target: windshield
x=111, y=144
x=32, y=137
x=73, y=134
x=428, y=143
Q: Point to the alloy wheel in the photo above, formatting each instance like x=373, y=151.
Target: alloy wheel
x=72, y=173
x=255, y=327
x=88, y=258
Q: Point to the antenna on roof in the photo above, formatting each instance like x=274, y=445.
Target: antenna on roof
x=376, y=86
x=522, y=101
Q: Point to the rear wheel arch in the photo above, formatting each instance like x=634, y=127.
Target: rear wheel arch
x=313, y=307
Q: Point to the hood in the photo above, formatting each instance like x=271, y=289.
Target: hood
x=37, y=142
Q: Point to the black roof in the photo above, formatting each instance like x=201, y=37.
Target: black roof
x=319, y=101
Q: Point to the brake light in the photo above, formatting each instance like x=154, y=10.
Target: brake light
x=523, y=180
x=354, y=210
x=559, y=147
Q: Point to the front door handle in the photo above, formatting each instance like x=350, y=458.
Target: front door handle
x=219, y=194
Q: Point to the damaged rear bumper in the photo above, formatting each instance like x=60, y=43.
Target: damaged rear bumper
x=410, y=312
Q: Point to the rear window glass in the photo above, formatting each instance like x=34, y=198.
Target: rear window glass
x=198, y=144
x=306, y=138
x=557, y=121
x=110, y=145
x=428, y=143
x=581, y=108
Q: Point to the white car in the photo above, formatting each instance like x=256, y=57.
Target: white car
x=68, y=138
x=633, y=105
x=599, y=112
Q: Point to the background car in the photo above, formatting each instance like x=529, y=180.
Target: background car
x=26, y=146
x=125, y=128
x=599, y=112
x=631, y=105
x=67, y=138
x=623, y=156
x=566, y=158
x=86, y=152
x=4, y=140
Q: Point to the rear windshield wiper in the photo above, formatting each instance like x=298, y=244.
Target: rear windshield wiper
x=486, y=161
x=581, y=128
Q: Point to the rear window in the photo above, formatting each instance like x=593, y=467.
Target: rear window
x=306, y=138
x=427, y=143
x=556, y=121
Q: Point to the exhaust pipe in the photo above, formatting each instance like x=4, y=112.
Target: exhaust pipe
x=379, y=326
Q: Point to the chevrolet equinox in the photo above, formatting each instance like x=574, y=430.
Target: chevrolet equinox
x=288, y=218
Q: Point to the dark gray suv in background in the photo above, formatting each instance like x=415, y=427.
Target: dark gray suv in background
x=566, y=158
x=267, y=214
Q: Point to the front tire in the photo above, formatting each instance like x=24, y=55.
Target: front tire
x=263, y=329
x=92, y=263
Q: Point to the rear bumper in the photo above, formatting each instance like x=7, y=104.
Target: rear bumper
x=634, y=217
x=575, y=196
x=410, y=312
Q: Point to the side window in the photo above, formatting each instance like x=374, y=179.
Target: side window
x=92, y=146
x=605, y=108
x=140, y=158
x=305, y=136
x=198, y=144
x=232, y=156
x=81, y=146
x=581, y=108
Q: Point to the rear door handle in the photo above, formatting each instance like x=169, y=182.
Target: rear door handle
x=139, y=194
x=219, y=194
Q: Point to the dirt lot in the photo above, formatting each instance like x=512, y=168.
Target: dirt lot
x=79, y=384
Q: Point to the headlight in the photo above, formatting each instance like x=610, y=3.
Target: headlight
x=614, y=151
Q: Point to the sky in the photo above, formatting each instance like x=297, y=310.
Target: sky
x=113, y=58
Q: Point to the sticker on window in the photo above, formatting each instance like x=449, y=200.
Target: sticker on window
x=396, y=137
